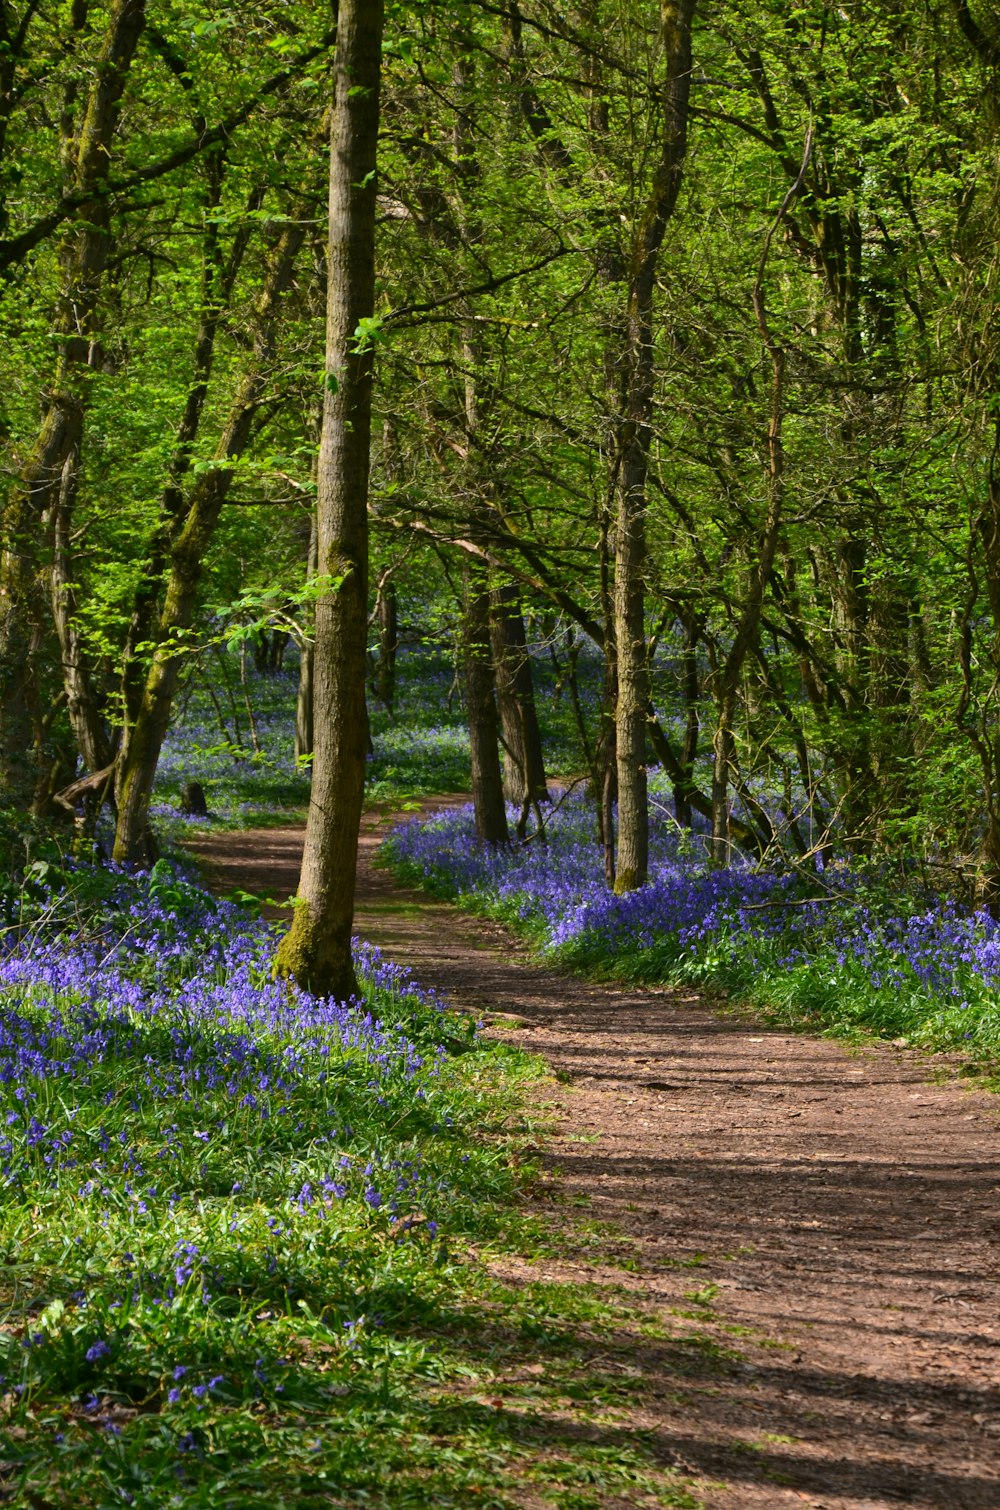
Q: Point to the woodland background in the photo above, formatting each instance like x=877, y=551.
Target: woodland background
x=684, y=517
x=717, y=336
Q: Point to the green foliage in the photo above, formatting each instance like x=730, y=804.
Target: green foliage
x=502, y=256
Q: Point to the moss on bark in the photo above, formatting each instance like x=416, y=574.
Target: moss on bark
x=315, y=959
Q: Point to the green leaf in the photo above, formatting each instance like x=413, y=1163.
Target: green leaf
x=368, y=334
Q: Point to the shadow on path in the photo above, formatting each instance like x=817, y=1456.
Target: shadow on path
x=829, y=1212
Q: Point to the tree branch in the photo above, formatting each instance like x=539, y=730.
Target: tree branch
x=14, y=249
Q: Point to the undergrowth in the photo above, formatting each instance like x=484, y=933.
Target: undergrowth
x=237, y=740
x=245, y=1234
x=847, y=949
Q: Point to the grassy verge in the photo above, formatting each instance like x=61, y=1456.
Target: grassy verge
x=846, y=951
x=246, y=1236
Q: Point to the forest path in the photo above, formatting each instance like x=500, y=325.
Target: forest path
x=846, y=1208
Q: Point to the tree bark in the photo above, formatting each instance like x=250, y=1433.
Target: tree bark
x=477, y=655
x=82, y=705
x=981, y=724
x=606, y=794
x=316, y=952
x=691, y=691
x=632, y=460
x=307, y=652
x=388, y=643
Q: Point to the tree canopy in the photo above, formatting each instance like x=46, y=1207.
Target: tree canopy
x=684, y=345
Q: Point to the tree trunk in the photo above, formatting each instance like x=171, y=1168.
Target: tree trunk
x=691, y=689
x=316, y=951
x=477, y=656
x=388, y=643
x=307, y=651
x=632, y=459
x=484, y=752
x=723, y=762
x=81, y=700
x=276, y=651
x=524, y=761
x=606, y=795
x=22, y=614
x=633, y=678
x=139, y=759
x=979, y=719
x=87, y=155
x=982, y=28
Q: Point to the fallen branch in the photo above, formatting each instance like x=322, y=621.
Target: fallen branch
x=86, y=786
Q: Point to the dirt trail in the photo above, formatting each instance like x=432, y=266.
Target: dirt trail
x=847, y=1210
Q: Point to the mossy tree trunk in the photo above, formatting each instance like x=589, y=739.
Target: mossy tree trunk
x=82, y=705
x=304, y=697
x=316, y=951
x=89, y=127
x=193, y=535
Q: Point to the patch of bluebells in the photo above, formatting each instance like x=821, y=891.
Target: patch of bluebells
x=242, y=768
x=246, y=771
x=147, y=1056
x=433, y=759
x=188, y=1004
x=831, y=934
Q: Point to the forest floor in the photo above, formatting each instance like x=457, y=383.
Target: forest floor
x=816, y=1226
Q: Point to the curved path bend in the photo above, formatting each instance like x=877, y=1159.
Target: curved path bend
x=833, y=1216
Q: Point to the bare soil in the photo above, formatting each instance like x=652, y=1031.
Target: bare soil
x=845, y=1203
